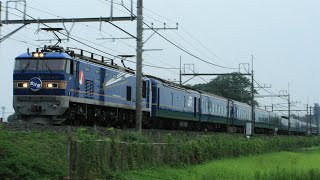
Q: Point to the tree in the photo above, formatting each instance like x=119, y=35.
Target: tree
x=12, y=118
x=234, y=86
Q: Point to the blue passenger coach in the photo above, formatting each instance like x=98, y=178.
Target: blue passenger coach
x=171, y=102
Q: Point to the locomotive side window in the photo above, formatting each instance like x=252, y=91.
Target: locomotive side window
x=128, y=93
x=69, y=68
x=87, y=69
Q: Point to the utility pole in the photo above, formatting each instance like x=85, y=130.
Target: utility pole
x=180, y=75
x=0, y=17
x=3, y=108
x=24, y=21
x=307, y=117
x=139, y=66
x=289, y=114
x=252, y=98
x=248, y=125
x=316, y=114
x=310, y=119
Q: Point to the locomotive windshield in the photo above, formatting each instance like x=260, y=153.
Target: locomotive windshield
x=40, y=65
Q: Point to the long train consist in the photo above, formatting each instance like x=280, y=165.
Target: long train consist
x=57, y=86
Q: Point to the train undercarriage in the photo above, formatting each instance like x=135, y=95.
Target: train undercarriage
x=60, y=111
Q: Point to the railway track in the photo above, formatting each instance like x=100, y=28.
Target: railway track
x=105, y=131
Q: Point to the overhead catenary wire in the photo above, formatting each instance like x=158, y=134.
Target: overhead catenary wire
x=147, y=65
x=184, y=50
x=181, y=27
x=187, y=52
x=116, y=56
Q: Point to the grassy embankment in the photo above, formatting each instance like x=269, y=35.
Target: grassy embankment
x=32, y=155
x=26, y=154
x=281, y=165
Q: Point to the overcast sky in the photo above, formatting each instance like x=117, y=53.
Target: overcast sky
x=282, y=35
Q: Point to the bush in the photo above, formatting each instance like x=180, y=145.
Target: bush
x=131, y=151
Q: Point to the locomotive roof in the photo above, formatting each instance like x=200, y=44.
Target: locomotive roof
x=47, y=55
x=57, y=52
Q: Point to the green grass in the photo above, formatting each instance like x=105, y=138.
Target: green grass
x=32, y=155
x=281, y=165
x=43, y=155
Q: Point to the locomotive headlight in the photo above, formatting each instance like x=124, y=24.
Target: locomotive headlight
x=22, y=85
x=35, y=55
x=52, y=85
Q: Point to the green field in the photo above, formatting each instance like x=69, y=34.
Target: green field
x=282, y=165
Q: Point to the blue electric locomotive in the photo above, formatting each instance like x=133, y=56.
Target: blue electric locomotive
x=55, y=86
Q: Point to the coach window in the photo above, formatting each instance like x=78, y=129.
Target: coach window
x=171, y=99
x=158, y=100
x=144, y=89
x=206, y=106
x=184, y=101
x=128, y=93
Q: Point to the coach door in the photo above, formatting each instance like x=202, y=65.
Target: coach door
x=78, y=79
x=195, y=107
x=147, y=89
x=200, y=103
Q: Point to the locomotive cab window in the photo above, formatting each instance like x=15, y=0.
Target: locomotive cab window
x=40, y=65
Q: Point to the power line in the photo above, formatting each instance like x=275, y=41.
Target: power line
x=109, y=48
x=268, y=91
x=153, y=66
x=181, y=28
x=182, y=49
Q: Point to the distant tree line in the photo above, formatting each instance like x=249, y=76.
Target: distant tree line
x=234, y=86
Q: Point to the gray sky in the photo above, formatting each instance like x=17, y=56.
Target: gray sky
x=282, y=35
